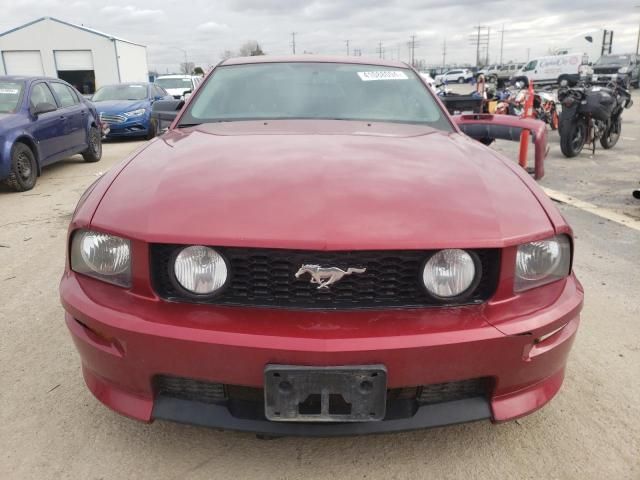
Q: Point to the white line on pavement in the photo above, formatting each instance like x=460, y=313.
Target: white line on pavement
x=594, y=209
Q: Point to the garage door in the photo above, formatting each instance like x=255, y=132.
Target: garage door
x=25, y=62
x=67, y=60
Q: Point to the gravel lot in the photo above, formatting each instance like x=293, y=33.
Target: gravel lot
x=52, y=428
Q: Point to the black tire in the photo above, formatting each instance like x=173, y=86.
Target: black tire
x=573, y=138
x=93, y=153
x=24, y=168
x=461, y=80
x=153, y=130
x=612, y=135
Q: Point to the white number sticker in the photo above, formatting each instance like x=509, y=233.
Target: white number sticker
x=382, y=75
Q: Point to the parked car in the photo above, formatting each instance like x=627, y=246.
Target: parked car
x=507, y=71
x=177, y=85
x=553, y=69
x=609, y=67
x=42, y=121
x=459, y=75
x=126, y=108
x=490, y=72
x=315, y=248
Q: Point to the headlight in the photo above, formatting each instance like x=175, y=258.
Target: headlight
x=623, y=70
x=200, y=270
x=542, y=262
x=102, y=256
x=449, y=273
x=136, y=113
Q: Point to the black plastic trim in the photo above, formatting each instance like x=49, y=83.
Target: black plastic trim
x=218, y=416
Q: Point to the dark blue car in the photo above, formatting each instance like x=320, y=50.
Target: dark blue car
x=126, y=108
x=43, y=120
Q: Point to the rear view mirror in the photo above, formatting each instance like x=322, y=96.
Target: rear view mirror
x=43, y=108
x=165, y=112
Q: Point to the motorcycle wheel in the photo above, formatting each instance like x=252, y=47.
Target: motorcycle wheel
x=572, y=139
x=612, y=135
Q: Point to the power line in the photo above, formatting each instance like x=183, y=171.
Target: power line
x=293, y=42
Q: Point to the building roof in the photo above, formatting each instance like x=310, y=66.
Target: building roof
x=314, y=59
x=79, y=27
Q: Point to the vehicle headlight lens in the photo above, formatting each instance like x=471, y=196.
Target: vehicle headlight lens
x=200, y=270
x=623, y=70
x=542, y=262
x=449, y=273
x=102, y=256
x=136, y=113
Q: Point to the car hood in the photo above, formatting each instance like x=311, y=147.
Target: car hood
x=120, y=106
x=321, y=185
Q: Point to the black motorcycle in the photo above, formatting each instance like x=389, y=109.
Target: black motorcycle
x=591, y=113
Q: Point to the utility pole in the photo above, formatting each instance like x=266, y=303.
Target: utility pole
x=412, y=46
x=293, y=42
x=501, y=42
x=347, y=42
x=486, y=60
x=480, y=39
x=380, y=50
x=444, y=52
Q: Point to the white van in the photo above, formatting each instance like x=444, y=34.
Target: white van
x=553, y=69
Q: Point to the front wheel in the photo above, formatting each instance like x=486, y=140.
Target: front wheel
x=24, y=169
x=573, y=138
x=93, y=153
x=612, y=135
x=153, y=130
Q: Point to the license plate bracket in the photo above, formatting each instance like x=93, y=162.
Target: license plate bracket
x=325, y=394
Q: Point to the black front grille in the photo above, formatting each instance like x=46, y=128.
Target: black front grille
x=266, y=278
x=248, y=402
x=447, y=392
x=606, y=70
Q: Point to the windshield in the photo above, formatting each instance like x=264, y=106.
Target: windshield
x=315, y=91
x=121, y=92
x=613, y=60
x=10, y=93
x=184, y=83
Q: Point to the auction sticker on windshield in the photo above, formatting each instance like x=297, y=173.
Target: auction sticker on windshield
x=383, y=75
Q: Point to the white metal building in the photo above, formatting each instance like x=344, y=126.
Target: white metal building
x=84, y=57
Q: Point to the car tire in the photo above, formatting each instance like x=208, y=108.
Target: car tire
x=461, y=80
x=24, y=169
x=572, y=139
x=153, y=130
x=93, y=153
x=612, y=135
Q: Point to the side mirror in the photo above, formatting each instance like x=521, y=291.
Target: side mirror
x=186, y=94
x=165, y=112
x=43, y=108
x=158, y=97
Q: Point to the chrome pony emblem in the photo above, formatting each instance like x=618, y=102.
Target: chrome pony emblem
x=324, y=277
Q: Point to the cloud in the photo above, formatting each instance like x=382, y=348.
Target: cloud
x=212, y=27
x=130, y=14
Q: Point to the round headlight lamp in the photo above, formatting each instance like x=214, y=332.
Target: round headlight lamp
x=450, y=273
x=200, y=270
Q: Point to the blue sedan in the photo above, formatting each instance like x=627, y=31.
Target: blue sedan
x=126, y=108
x=42, y=121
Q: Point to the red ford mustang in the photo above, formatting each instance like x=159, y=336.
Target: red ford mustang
x=314, y=248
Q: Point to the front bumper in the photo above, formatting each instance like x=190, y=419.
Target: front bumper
x=135, y=127
x=125, y=341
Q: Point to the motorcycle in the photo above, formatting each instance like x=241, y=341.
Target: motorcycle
x=544, y=108
x=591, y=113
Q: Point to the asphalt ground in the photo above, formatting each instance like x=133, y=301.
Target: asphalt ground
x=51, y=427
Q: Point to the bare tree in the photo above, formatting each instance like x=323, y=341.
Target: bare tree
x=226, y=54
x=187, y=67
x=250, y=49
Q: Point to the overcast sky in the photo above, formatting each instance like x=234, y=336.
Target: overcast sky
x=205, y=29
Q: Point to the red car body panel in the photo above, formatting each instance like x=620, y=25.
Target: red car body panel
x=323, y=186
